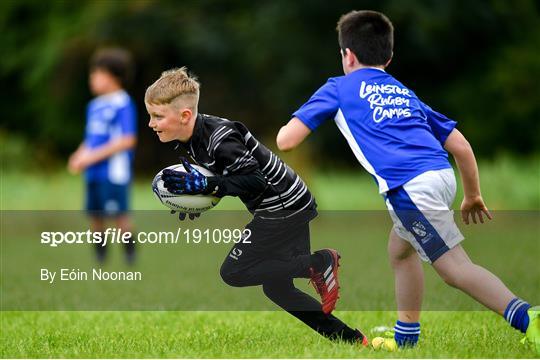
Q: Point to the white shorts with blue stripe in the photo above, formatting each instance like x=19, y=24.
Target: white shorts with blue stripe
x=422, y=215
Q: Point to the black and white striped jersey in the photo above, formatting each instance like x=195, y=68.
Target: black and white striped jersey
x=229, y=150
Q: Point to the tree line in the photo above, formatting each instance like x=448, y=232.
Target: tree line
x=258, y=61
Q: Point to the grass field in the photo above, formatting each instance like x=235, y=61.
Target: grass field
x=507, y=184
x=366, y=282
x=241, y=335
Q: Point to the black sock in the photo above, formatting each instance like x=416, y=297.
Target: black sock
x=130, y=250
x=101, y=250
x=129, y=246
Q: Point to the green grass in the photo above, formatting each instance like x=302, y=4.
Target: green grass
x=241, y=335
x=172, y=271
x=508, y=184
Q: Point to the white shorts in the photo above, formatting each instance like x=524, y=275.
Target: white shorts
x=422, y=215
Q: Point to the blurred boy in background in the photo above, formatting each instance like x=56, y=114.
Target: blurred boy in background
x=106, y=152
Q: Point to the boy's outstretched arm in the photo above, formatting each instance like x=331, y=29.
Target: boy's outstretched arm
x=472, y=204
x=87, y=157
x=122, y=143
x=292, y=135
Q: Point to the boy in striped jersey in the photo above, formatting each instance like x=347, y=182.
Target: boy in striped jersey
x=404, y=145
x=279, y=200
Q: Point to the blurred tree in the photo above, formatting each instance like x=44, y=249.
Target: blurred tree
x=477, y=61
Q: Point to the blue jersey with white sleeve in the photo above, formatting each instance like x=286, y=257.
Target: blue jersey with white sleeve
x=109, y=117
x=393, y=134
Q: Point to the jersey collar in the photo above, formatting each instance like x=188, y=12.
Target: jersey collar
x=195, y=139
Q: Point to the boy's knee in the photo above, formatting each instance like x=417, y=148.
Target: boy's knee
x=230, y=275
x=395, y=261
x=400, y=258
x=399, y=251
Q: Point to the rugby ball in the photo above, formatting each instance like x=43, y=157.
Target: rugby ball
x=190, y=204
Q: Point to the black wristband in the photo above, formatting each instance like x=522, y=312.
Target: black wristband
x=212, y=185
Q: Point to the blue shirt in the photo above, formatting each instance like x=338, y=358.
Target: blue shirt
x=109, y=117
x=392, y=133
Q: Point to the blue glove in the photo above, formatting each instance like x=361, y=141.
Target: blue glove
x=184, y=183
x=182, y=216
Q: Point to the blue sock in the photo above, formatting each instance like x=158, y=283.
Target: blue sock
x=406, y=334
x=516, y=314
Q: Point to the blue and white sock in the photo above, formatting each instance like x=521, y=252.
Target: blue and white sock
x=406, y=334
x=516, y=314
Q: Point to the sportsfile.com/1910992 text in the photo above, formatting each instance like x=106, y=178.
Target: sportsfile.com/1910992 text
x=116, y=236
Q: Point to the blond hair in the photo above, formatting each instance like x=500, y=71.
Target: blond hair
x=172, y=87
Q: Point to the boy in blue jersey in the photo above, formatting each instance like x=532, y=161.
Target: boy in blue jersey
x=106, y=153
x=403, y=144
